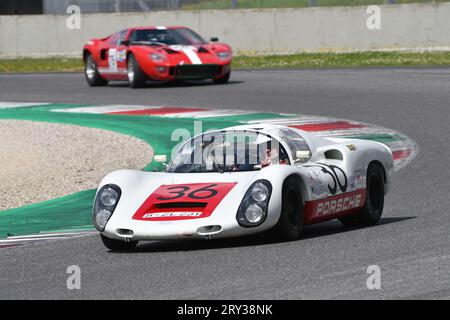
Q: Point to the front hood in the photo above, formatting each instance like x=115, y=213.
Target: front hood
x=183, y=201
x=189, y=54
x=179, y=196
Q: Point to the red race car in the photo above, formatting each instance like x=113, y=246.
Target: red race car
x=155, y=53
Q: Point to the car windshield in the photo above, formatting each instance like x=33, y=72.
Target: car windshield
x=228, y=151
x=169, y=37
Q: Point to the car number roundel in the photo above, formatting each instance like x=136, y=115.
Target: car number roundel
x=183, y=201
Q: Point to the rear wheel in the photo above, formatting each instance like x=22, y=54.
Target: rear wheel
x=136, y=77
x=91, y=73
x=371, y=213
x=118, y=245
x=290, y=224
x=224, y=79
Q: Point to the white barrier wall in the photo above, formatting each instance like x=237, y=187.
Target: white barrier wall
x=248, y=31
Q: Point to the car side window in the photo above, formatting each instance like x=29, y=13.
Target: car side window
x=112, y=41
x=301, y=152
x=121, y=37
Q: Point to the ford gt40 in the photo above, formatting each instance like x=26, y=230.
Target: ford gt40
x=155, y=53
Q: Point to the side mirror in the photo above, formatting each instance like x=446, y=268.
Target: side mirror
x=162, y=158
x=125, y=43
x=214, y=39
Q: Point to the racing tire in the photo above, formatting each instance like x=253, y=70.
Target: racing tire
x=371, y=213
x=223, y=80
x=136, y=77
x=91, y=73
x=290, y=224
x=118, y=245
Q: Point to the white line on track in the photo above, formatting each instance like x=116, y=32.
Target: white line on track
x=207, y=114
x=28, y=239
x=106, y=109
x=10, y=105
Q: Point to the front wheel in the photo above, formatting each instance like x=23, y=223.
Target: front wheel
x=224, y=79
x=118, y=245
x=371, y=213
x=136, y=77
x=290, y=224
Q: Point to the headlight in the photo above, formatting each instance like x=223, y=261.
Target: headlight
x=254, y=213
x=105, y=203
x=260, y=192
x=108, y=197
x=157, y=57
x=102, y=217
x=253, y=209
x=224, y=55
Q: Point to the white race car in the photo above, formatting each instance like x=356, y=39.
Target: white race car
x=244, y=180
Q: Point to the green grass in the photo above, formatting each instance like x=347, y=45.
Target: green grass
x=304, y=60
x=41, y=65
x=344, y=60
x=247, y=4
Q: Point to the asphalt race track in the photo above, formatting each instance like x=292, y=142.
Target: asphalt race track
x=411, y=244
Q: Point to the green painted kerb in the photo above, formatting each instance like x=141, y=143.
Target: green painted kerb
x=70, y=212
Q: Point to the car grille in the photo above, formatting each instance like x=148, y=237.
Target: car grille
x=196, y=71
x=178, y=205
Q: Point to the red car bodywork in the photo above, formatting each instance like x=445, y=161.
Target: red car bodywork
x=179, y=62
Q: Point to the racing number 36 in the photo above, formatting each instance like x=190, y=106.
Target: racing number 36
x=182, y=191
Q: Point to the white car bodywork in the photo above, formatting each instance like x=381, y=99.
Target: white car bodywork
x=348, y=158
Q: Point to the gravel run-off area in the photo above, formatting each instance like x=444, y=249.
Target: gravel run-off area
x=42, y=161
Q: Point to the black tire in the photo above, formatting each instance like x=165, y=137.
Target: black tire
x=91, y=73
x=224, y=79
x=118, y=245
x=371, y=213
x=290, y=224
x=136, y=77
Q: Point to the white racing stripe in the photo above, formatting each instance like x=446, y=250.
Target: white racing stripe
x=191, y=54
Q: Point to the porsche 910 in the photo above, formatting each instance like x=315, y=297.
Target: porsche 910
x=245, y=180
